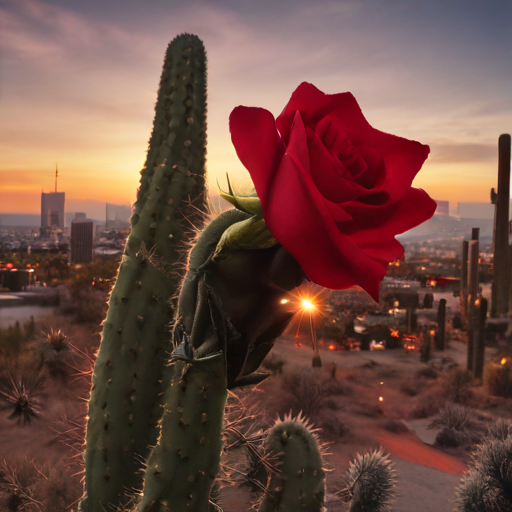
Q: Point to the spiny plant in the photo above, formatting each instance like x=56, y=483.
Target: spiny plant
x=54, y=353
x=487, y=487
x=299, y=482
x=22, y=396
x=128, y=379
x=369, y=484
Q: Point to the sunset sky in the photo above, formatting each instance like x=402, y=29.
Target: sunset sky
x=78, y=82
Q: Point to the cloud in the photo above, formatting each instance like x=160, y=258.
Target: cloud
x=461, y=153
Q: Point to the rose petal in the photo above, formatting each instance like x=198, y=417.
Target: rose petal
x=403, y=159
x=257, y=144
x=385, y=251
x=378, y=223
x=303, y=224
x=328, y=174
x=314, y=105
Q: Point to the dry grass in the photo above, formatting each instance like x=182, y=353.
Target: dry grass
x=28, y=486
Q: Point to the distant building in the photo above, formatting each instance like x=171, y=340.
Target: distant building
x=476, y=211
x=82, y=233
x=117, y=216
x=52, y=211
x=443, y=207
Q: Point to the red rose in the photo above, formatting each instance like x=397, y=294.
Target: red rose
x=334, y=191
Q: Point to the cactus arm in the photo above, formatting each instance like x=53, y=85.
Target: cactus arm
x=126, y=394
x=299, y=483
x=183, y=465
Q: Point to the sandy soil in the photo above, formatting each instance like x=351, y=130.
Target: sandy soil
x=427, y=475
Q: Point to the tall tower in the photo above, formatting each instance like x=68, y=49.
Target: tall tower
x=82, y=234
x=52, y=208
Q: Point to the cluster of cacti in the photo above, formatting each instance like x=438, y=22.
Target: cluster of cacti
x=157, y=400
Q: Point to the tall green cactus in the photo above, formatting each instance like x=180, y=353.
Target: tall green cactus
x=127, y=391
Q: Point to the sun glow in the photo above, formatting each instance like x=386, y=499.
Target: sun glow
x=307, y=304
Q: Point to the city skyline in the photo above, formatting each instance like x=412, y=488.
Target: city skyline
x=79, y=83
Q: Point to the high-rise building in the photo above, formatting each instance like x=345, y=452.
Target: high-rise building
x=476, y=211
x=52, y=210
x=82, y=234
x=117, y=216
x=443, y=208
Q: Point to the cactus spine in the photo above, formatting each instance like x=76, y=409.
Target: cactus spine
x=299, y=483
x=125, y=403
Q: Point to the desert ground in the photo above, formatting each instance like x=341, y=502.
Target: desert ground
x=374, y=399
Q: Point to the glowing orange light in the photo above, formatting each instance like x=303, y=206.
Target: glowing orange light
x=284, y=301
x=433, y=283
x=504, y=360
x=381, y=383
x=9, y=265
x=331, y=347
x=432, y=332
x=395, y=333
x=381, y=399
x=307, y=304
x=477, y=302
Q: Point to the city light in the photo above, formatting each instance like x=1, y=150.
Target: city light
x=285, y=301
x=307, y=304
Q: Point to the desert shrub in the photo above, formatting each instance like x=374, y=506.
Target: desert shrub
x=31, y=487
x=14, y=338
x=395, y=426
x=500, y=429
x=22, y=396
x=55, y=353
x=428, y=372
x=449, y=438
x=331, y=427
x=458, y=386
x=310, y=391
x=498, y=378
x=487, y=487
x=274, y=363
x=462, y=421
x=86, y=306
x=411, y=387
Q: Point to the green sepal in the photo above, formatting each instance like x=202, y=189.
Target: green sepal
x=248, y=204
x=251, y=233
